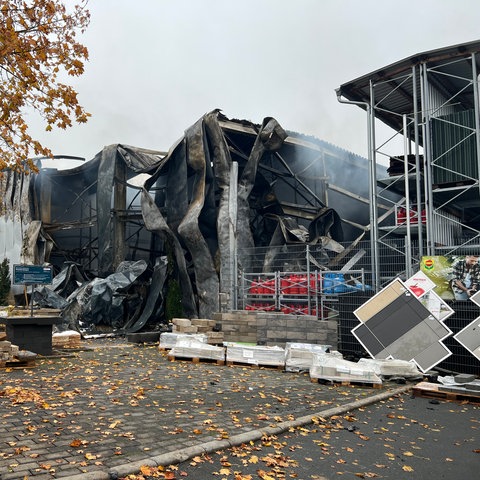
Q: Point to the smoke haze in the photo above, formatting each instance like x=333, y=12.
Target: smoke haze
x=156, y=66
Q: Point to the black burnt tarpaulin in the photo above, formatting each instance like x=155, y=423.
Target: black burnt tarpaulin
x=199, y=170
x=103, y=301
x=270, y=138
x=154, y=301
x=223, y=187
x=137, y=161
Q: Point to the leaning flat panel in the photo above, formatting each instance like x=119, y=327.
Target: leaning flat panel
x=383, y=298
x=469, y=337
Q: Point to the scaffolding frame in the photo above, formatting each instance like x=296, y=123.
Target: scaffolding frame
x=424, y=99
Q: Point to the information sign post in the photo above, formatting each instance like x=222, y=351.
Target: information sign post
x=32, y=275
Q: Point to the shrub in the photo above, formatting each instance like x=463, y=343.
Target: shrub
x=5, y=283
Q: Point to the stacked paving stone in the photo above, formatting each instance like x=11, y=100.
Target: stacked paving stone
x=276, y=328
x=67, y=339
x=7, y=352
x=11, y=356
x=198, y=325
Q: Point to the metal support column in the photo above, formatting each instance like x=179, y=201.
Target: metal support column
x=476, y=97
x=418, y=167
x=428, y=160
x=373, y=192
x=408, y=237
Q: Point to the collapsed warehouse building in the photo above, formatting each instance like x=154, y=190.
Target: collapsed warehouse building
x=137, y=236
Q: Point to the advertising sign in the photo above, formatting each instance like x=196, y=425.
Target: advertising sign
x=456, y=277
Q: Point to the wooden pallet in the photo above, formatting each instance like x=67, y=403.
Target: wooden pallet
x=232, y=363
x=430, y=390
x=163, y=348
x=173, y=358
x=346, y=383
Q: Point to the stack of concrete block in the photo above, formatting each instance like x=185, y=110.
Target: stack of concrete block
x=183, y=325
x=8, y=352
x=238, y=326
x=67, y=339
x=276, y=328
x=198, y=326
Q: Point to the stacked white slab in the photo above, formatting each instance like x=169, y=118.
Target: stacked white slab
x=329, y=367
x=189, y=347
x=255, y=354
x=299, y=356
x=169, y=339
x=391, y=367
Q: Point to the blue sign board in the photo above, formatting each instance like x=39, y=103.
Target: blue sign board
x=32, y=275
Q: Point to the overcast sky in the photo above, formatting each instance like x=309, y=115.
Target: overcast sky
x=156, y=66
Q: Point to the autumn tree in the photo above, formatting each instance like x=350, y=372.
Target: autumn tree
x=38, y=48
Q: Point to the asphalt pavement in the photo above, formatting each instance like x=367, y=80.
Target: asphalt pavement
x=402, y=437
x=114, y=407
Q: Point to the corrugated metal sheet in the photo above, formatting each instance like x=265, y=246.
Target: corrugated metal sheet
x=454, y=151
x=449, y=66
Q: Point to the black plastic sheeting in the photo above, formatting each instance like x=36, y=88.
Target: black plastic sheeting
x=108, y=301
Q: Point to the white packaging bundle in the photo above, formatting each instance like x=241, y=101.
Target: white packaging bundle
x=391, y=367
x=193, y=348
x=169, y=339
x=330, y=367
x=299, y=356
x=255, y=355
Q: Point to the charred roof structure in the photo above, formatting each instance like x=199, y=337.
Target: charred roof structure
x=125, y=228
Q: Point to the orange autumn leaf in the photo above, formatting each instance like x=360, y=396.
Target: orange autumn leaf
x=38, y=51
x=265, y=475
x=146, y=470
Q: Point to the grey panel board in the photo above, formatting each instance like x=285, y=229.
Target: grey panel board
x=396, y=319
x=431, y=356
x=469, y=337
x=441, y=330
x=412, y=343
x=368, y=340
x=383, y=298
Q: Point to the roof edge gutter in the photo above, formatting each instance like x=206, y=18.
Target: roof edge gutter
x=372, y=187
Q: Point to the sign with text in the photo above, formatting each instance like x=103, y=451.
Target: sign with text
x=32, y=275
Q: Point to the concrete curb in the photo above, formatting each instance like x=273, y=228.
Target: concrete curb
x=181, y=455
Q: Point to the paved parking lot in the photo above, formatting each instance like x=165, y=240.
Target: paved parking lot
x=115, y=406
